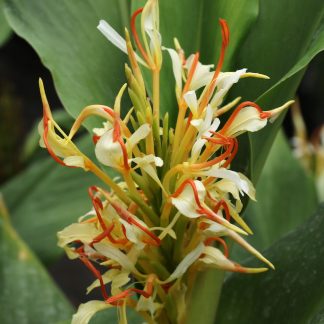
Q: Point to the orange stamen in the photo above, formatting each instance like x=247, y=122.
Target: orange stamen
x=194, y=188
x=218, y=159
x=96, y=273
x=209, y=241
x=225, y=42
x=191, y=73
x=135, y=35
x=128, y=217
x=222, y=203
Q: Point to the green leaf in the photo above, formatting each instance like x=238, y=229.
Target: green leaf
x=45, y=198
x=286, y=37
x=282, y=90
x=286, y=195
x=5, y=29
x=28, y=294
x=86, y=68
x=293, y=293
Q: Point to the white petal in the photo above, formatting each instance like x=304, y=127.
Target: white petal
x=192, y=101
x=176, y=66
x=186, y=203
x=76, y=161
x=243, y=184
x=247, y=120
x=111, y=34
x=109, y=152
x=118, y=278
x=138, y=135
x=77, y=232
x=183, y=266
x=87, y=310
x=148, y=304
x=116, y=255
x=202, y=75
x=100, y=131
x=213, y=256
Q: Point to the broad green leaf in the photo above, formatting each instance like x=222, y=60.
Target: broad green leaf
x=286, y=195
x=285, y=38
x=282, y=90
x=45, y=198
x=293, y=293
x=86, y=68
x=28, y=294
x=5, y=29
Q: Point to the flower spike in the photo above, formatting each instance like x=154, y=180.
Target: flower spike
x=174, y=204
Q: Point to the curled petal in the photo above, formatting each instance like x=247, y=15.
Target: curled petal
x=109, y=152
x=247, y=120
x=77, y=232
x=186, y=202
x=87, y=310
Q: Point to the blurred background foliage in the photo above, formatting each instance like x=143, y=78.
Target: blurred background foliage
x=35, y=189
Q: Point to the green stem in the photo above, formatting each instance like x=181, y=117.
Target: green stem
x=205, y=295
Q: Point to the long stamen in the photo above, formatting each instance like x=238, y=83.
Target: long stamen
x=136, y=37
x=212, y=85
x=194, y=188
x=209, y=241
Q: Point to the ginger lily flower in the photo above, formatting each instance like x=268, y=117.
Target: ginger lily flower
x=177, y=202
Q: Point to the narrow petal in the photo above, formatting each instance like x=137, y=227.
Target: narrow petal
x=112, y=35
x=87, y=310
x=188, y=260
x=176, y=66
x=138, y=135
x=192, y=102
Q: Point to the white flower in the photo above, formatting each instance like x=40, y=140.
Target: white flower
x=202, y=75
x=205, y=128
x=247, y=120
x=185, y=202
x=176, y=67
x=214, y=258
x=224, y=82
x=112, y=35
x=110, y=152
x=242, y=183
